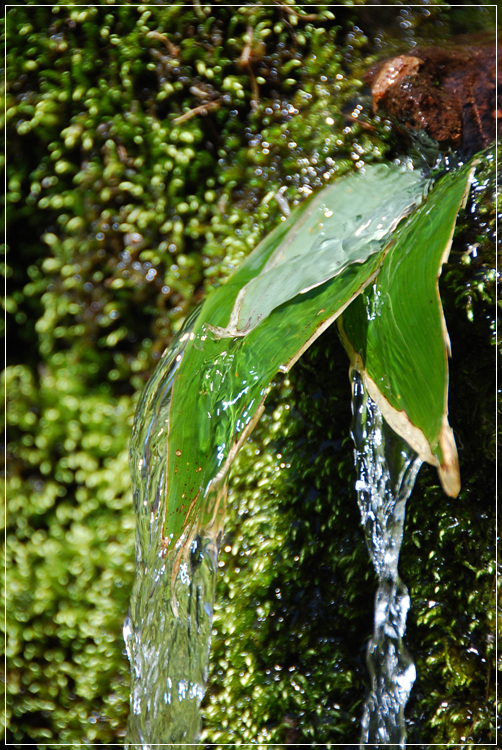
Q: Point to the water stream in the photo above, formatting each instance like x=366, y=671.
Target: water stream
x=168, y=627
x=387, y=468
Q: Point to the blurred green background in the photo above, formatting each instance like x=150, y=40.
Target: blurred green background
x=145, y=145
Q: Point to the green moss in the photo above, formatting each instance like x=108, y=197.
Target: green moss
x=70, y=548
x=127, y=204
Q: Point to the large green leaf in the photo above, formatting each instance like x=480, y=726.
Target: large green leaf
x=315, y=263
x=396, y=335
x=341, y=225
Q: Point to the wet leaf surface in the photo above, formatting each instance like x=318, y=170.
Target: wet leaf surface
x=224, y=372
x=396, y=335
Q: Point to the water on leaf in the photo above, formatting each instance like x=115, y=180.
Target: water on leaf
x=168, y=627
x=344, y=224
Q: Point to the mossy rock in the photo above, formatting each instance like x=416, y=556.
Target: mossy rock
x=146, y=145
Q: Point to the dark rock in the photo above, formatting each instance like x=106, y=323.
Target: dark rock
x=451, y=93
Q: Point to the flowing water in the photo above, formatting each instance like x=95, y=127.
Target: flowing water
x=168, y=627
x=387, y=468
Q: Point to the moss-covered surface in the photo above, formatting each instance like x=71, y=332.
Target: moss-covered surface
x=127, y=203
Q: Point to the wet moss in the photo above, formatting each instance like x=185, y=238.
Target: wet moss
x=449, y=561
x=146, y=145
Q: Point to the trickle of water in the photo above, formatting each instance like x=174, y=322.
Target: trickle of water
x=387, y=468
x=168, y=628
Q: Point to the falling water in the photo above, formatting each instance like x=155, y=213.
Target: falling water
x=168, y=627
x=387, y=468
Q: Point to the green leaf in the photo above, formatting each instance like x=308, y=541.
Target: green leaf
x=396, y=335
x=342, y=224
x=244, y=333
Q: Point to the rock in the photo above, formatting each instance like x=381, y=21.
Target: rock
x=451, y=93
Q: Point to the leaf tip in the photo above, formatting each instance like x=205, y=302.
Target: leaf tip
x=449, y=470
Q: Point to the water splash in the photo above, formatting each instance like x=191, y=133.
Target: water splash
x=387, y=468
x=168, y=627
